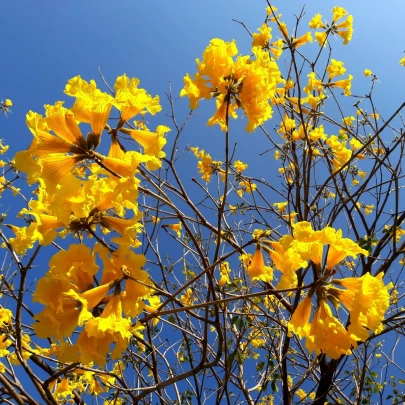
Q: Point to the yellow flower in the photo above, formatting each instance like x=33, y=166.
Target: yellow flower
x=8, y=103
x=341, y=154
x=64, y=389
x=257, y=269
x=370, y=302
x=317, y=133
x=316, y=22
x=282, y=26
x=338, y=12
x=224, y=270
x=345, y=84
x=302, y=40
x=327, y=335
x=402, y=61
x=232, y=209
x=336, y=68
x=313, y=83
x=281, y=206
x=321, y=37
x=264, y=36
x=244, y=83
x=368, y=209
x=367, y=72
x=240, y=166
x=187, y=298
x=246, y=186
x=301, y=394
x=92, y=105
x=299, y=322
x=176, y=228
x=345, y=29
x=152, y=142
x=6, y=317
x=132, y=100
x=340, y=248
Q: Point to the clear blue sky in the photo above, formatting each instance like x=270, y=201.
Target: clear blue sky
x=44, y=43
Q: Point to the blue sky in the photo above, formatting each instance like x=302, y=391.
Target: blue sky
x=45, y=43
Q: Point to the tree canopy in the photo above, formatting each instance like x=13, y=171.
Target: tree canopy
x=144, y=269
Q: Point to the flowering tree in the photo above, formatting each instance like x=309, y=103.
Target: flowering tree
x=126, y=281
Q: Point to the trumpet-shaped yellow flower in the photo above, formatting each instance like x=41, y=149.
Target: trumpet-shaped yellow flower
x=299, y=322
x=187, y=298
x=92, y=105
x=224, y=271
x=316, y=22
x=132, y=100
x=257, y=268
x=370, y=302
x=335, y=68
x=240, y=166
x=176, y=228
x=338, y=12
x=152, y=142
x=302, y=40
x=327, y=335
x=345, y=84
x=263, y=37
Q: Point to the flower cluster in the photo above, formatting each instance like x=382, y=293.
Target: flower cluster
x=244, y=83
x=87, y=194
x=326, y=334
x=343, y=29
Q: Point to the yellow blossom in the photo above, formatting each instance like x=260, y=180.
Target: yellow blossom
x=299, y=322
x=338, y=12
x=176, y=228
x=132, y=100
x=368, y=208
x=344, y=84
x=187, y=298
x=240, y=166
x=316, y=22
x=257, y=270
x=263, y=37
x=281, y=206
x=335, y=68
x=236, y=83
x=224, y=270
x=302, y=40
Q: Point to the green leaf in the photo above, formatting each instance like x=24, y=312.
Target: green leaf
x=274, y=386
x=259, y=366
x=234, y=320
x=230, y=358
x=240, y=324
x=239, y=357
